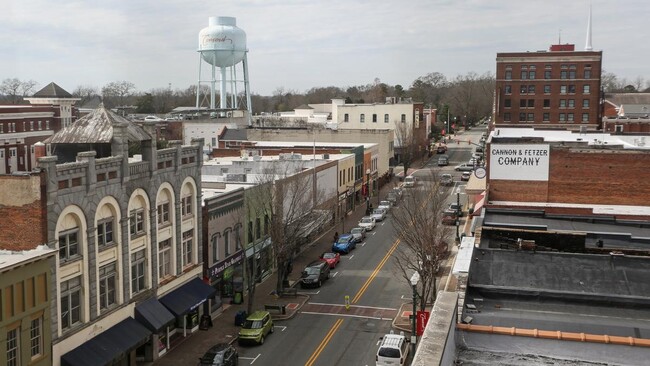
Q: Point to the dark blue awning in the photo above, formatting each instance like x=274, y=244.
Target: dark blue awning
x=110, y=346
x=187, y=297
x=153, y=315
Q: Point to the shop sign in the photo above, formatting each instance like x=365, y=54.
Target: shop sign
x=218, y=268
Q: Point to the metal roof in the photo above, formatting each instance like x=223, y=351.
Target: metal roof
x=52, y=90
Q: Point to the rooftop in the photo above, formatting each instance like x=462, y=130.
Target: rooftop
x=10, y=259
x=591, y=138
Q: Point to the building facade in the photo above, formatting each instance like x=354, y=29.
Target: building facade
x=555, y=88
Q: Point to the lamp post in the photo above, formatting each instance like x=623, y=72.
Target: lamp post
x=368, y=191
x=458, y=214
x=414, y=338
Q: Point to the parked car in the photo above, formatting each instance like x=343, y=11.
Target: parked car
x=465, y=176
x=456, y=208
x=221, y=354
x=345, y=244
x=446, y=180
x=331, y=258
x=152, y=118
x=393, y=350
x=384, y=205
x=449, y=217
x=256, y=327
x=465, y=167
x=367, y=223
x=359, y=234
x=409, y=182
x=378, y=214
x=479, y=149
x=314, y=274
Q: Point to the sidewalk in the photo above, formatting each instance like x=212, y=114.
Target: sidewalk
x=224, y=329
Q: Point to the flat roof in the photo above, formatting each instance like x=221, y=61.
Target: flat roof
x=311, y=144
x=10, y=259
x=591, y=138
x=596, y=209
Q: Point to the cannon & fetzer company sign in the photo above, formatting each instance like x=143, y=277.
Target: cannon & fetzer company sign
x=519, y=162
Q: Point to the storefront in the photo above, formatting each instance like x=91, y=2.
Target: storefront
x=184, y=303
x=223, y=275
x=260, y=259
x=155, y=317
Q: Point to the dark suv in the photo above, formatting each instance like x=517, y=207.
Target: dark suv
x=314, y=274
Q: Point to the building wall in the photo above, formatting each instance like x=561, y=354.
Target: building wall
x=23, y=225
x=24, y=295
x=560, y=64
x=586, y=175
x=627, y=125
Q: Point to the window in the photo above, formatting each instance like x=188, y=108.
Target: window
x=507, y=103
x=585, y=103
x=523, y=89
x=68, y=244
x=47, y=124
x=508, y=75
x=562, y=89
x=137, y=271
x=13, y=347
x=107, y=282
x=40, y=125
x=563, y=74
x=522, y=117
x=531, y=75
x=524, y=75
x=530, y=117
x=165, y=256
x=214, y=141
x=163, y=214
x=403, y=118
x=546, y=117
x=587, y=74
x=507, y=117
x=386, y=118
x=572, y=74
x=237, y=233
x=250, y=232
x=562, y=103
x=569, y=117
x=508, y=89
x=105, y=232
x=188, y=243
x=136, y=223
x=346, y=118
x=562, y=117
x=522, y=103
x=267, y=222
x=585, y=117
x=214, y=242
x=572, y=89
x=547, y=74
x=531, y=103
x=258, y=228
x=36, y=337
x=531, y=89
x=547, y=103
x=586, y=89
x=362, y=118
x=226, y=242
x=547, y=89
x=70, y=302
x=186, y=206
x=374, y=118
x=31, y=125
x=571, y=103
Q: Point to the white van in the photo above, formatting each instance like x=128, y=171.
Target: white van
x=409, y=181
x=393, y=350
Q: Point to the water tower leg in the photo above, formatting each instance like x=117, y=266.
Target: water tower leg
x=212, y=87
x=247, y=90
x=224, y=94
x=198, y=84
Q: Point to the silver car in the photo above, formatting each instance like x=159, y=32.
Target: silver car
x=378, y=214
x=359, y=234
x=367, y=223
x=384, y=205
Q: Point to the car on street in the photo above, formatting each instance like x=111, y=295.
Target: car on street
x=256, y=327
x=456, y=208
x=409, y=182
x=449, y=217
x=446, y=180
x=314, y=274
x=367, y=223
x=345, y=244
x=443, y=160
x=385, y=205
x=153, y=118
x=465, y=167
x=378, y=214
x=359, y=234
x=331, y=258
x=465, y=176
x=221, y=354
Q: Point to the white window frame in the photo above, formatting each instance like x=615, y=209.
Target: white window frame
x=187, y=249
x=105, y=232
x=65, y=253
x=163, y=214
x=36, y=337
x=13, y=347
x=136, y=223
x=165, y=259
x=69, y=289
x=138, y=271
x=186, y=206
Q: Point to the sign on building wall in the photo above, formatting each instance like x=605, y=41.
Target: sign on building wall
x=519, y=162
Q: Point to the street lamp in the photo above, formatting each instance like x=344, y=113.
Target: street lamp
x=459, y=211
x=368, y=191
x=414, y=282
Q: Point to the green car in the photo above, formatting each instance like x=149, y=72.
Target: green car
x=257, y=326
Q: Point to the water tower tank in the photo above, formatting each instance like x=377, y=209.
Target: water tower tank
x=221, y=43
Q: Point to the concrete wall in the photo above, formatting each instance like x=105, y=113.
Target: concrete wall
x=437, y=346
x=23, y=226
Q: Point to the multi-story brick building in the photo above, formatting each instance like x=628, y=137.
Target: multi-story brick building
x=126, y=228
x=22, y=126
x=556, y=88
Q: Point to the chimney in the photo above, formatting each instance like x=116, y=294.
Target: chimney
x=39, y=150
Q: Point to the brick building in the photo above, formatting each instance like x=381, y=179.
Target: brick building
x=555, y=88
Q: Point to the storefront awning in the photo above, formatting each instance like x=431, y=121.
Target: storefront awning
x=109, y=346
x=187, y=297
x=153, y=315
x=260, y=246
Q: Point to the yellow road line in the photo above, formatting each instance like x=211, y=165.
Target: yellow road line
x=324, y=342
x=363, y=289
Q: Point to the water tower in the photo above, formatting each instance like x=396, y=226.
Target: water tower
x=223, y=46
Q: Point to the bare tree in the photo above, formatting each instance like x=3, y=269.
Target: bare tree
x=86, y=93
x=14, y=89
x=424, y=240
x=406, y=144
x=117, y=93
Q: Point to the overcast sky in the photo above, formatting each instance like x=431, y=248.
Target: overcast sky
x=300, y=44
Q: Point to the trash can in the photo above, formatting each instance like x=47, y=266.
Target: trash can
x=240, y=317
x=206, y=322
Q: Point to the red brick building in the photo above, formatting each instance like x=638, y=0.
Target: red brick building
x=555, y=88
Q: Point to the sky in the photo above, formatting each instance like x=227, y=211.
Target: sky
x=296, y=45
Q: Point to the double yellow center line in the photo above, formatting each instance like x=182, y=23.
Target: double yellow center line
x=357, y=297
